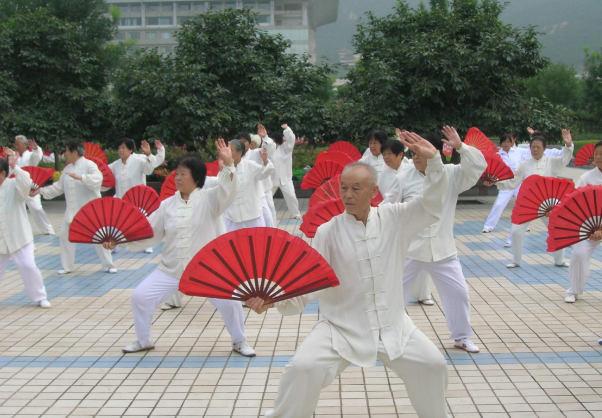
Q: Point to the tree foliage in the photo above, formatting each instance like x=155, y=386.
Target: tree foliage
x=592, y=79
x=558, y=84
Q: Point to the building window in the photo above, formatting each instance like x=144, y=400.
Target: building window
x=167, y=7
x=293, y=6
x=158, y=21
x=151, y=35
x=183, y=7
x=199, y=7
x=165, y=49
x=248, y=4
x=130, y=21
x=165, y=35
x=135, y=8
x=134, y=35
x=120, y=36
x=152, y=8
x=263, y=5
x=183, y=19
x=264, y=19
x=123, y=8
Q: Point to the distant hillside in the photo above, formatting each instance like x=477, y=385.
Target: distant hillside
x=568, y=25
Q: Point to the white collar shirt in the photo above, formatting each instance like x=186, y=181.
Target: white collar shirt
x=512, y=158
x=377, y=162
x=133, y=172
x=592, y=177
x=31, y=158
x=15, y=230
x=282, y=157
x=247, y=205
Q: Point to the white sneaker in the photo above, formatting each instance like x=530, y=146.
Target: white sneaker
x=508, y=244
x=167, y=307
x=134, y=348
x=244, y=349
x=149, y=250
x=486, y=231
x=51, y=233
x=63, y=272
x=467, y=345
x=112, y=270
x=512, y=265
x=570, y=299
x=427, y=302
x=564, y=264
x=45, y=304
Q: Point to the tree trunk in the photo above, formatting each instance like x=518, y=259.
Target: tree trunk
x=57, y=160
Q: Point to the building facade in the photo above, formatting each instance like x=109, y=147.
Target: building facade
x=152, y=23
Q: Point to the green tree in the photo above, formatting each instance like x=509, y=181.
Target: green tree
x=592, y=79
x=558, y=84
x=461, y=65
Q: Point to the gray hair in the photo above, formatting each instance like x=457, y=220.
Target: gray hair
x=21, y=138
x=371, y=171
x=256, y=139
x=238, y=146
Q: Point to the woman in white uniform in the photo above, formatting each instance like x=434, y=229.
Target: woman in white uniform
x=374, y=157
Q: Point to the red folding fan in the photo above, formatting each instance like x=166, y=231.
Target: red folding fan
x=331, y=191
x=496, y=170
x=107, y=219
x=320, y=214
x=257, y=262
x=585, y=155
x=39, y=176
x=94, y=151
x=108, y=179
x=212, y=168
x=168, y=188
x=144, y=198
x=477, y=139
x=576, y=218
x=320, y=173
x=537, y=197
x=336, y=156
x=347, y=148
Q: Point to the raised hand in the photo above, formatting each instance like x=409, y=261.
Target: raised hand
x=567, y=137
x=261, y=131
x=257, y=305
x=145, y=147
x=223, y=151
x=7, y=151
x=158, y=144
x=530, y=130
x=263, y=153
x=398, y=133
x=32, y=144
x=12, y=160
x=284, y=126
x=453, y=139
x=418, y=145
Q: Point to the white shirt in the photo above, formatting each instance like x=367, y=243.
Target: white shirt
x=513, y=157
x=134, y=171
x=253, y=155
x=377, y=162
x=188, y=226
x=369, y=262
x=30, y=158
x=592, y=177
x=15, y=230
x=282, y=158
x=545, y=166
x=389, y=183
x=436, y=242
x=247, y=205
x=77, y=192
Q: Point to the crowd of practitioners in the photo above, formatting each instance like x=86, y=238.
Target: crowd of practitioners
x=383, y=256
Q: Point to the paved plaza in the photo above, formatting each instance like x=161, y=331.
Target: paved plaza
x=539, y=356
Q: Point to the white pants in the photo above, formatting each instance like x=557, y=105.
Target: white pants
x=270, y=199
x=39, y=216
x=30, y=274
x=235, y=226
x=422, y=287
x=288, y=191
x=268, y=219
x=157, y=288
x=316, y=364
x=518, y=241
x=579, y=266
x=68, y=251
x=451, y=284
x=175, y=300
x=503, y=198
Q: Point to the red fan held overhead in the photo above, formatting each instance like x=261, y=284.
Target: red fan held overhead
x=585, y=156
x=109, y=220
x=496, y=170
x=108, y=179
x=331, y=191
x=39, y=176
x=537, y=197
x=94, y=151
x=168, y=188
x=212, y=168
x=347, y=148
x=320, y=214
x=144, y=198
x=336, y=156
x=576, y=218
x=477, y=139
x=320, y=173
x=257, y=262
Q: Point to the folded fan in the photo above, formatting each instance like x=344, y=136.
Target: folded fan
x=496, y=170
x=39, y=176
x=144, y=198
x=108, y=219
x=108, y=179
x=576, y=218
x=94, y=151
x=347, y=148
x=477, y=139
x=585, y=155
x=330, y=190
x=268, y=263
x=168, y=188
x=320, y=214
x=336, y=156
x=537, y=197
x=320, y=173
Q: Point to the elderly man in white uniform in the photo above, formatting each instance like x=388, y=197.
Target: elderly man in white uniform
x=16, y=238
x=246, y=211
x=363, y=319
x=282, y=157
x=80, y=183
x=434, y=248
x=32, y=158
x=582, y=251
x=373, y=155
x=542, y=166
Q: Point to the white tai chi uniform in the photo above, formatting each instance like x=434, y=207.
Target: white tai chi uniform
x=16, y=238
x=77, y=194
x=247, y=211
x=268, y=216
x=282, y=176
x=582, y=251
x=545, y=166
x=363, y=319
x=33, y=158
x=377, y=162
x=512, y=158
x=434, y=248
x=186, y=227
